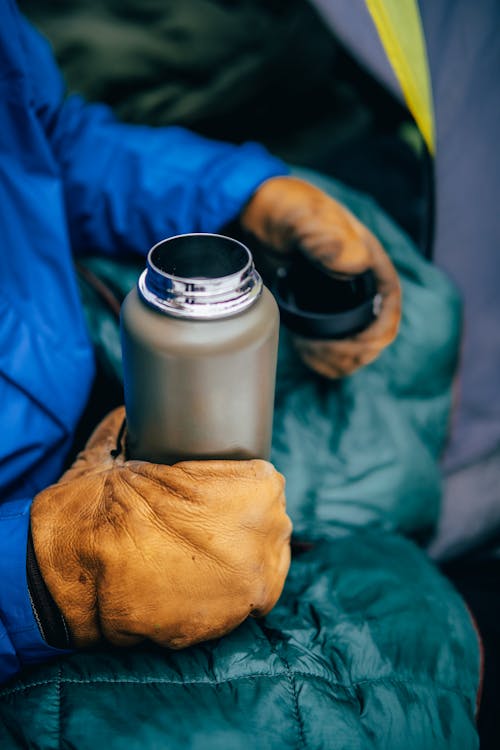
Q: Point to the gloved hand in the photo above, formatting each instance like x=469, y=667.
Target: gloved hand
x=177, y=554
x=287, y=213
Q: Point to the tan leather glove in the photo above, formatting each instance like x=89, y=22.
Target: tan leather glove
x=287, y=213
x=178, y=554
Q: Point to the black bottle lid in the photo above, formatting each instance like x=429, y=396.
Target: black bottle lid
x=317, y=304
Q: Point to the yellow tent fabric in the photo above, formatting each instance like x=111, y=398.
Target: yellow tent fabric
x=399, y=27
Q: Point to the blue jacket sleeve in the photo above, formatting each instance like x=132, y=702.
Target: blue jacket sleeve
x=129, y=186
x=21, y=642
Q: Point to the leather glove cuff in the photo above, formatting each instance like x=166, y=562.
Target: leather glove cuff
x=47, y=614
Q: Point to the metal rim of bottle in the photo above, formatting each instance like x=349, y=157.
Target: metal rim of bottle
x=200, y=297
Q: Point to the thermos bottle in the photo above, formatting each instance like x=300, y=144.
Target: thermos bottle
x=199, y=342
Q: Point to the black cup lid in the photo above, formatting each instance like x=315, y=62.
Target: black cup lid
x=316, y=304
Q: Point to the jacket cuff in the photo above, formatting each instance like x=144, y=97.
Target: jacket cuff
x=240, y=173
x=49, y=617
x=16, y=611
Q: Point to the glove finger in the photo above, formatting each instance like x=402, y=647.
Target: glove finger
x=287, y=212
x=217, y=479
x=277, y=578
x=333, y=367
x=334, y=239
x=105, y=435
x=337, y=359
x=176, y=610
x=101, y=446
x=355, y=252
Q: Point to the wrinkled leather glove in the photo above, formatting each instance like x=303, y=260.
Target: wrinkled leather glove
x=131, y=550
x=286, y=214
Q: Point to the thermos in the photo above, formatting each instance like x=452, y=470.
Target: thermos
x=199, y=343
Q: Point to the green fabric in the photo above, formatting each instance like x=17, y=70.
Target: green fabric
x=369, y=648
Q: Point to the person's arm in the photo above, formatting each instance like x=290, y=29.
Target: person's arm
x=37, y=423
x=21, y=640
x=129, y=186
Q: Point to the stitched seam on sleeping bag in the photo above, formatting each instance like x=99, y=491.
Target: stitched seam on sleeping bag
x=296, y=710
x=59, y=712
x=159, y=681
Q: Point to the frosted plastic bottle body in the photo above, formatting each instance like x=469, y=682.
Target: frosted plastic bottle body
x=200, y=387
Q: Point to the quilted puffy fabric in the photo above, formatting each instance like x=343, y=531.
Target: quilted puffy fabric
x=368, y=648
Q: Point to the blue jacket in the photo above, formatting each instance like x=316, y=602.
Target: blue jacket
x=73, y=179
